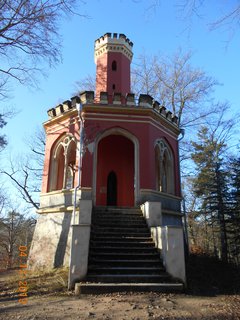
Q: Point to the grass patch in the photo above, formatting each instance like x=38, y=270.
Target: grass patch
x=53, y=281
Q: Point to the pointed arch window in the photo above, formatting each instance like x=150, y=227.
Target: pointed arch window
x=165, y=180
x=114, y=65
x=63, y=164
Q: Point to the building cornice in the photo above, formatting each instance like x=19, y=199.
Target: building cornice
x=131, y=113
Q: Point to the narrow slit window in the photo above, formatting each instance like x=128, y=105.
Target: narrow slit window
x=114, y=65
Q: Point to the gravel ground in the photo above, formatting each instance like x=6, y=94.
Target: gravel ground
x=126, y=306
x=46, y=302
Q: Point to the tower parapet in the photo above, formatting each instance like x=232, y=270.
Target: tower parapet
x=145, y=101
x=113, y=42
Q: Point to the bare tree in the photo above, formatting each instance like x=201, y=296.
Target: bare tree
x=87, y=83
x=20, y=176
x=5, y=115
x=26, y=173
x=29, y=35
x=176, y=84
x=143, y=77
x=36, y=145
x=230, y=18
x=3, y=201
x=15, y=231
x=3, y=141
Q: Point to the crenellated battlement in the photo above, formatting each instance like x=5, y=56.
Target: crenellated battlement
x=113, y=38
x=87, y=98
x=113, y=42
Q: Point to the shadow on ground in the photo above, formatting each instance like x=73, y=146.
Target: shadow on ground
x=208, y=276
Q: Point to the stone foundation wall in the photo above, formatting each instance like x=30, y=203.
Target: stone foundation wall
x=169, y=240
x=168, y=201
x=156, y=215
x=51, y=241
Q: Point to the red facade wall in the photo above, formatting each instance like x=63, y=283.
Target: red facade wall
x=106, y=77
x=146, y=134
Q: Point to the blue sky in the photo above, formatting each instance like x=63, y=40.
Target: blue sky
x=154, y=31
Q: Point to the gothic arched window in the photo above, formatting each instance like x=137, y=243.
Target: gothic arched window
x=114, y=65
x=164, y=167
x=63, y=162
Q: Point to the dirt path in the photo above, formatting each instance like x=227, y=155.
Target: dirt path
x=122, y=307
x=48, y=300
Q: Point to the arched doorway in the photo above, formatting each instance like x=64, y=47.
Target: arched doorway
x=115, y=171
x=112, y=189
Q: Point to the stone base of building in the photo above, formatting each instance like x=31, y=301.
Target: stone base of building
x=168, y=238
x=55, y=229
x=51, y=242
x=61, y=240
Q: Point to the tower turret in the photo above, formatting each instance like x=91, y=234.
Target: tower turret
x=113, y=55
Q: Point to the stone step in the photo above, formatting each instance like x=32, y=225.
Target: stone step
x=123, y=234
x=104, y=218
x=120, y=238
x=131, y=217
x=124, y=256
x=130, y=278
x=117, y=229
x=124, y=263
x=95, y=269
x=100, y=288
x=118, y=214
x=123, y=250
x=120, y=224
x=108, y=243
x=116, y=209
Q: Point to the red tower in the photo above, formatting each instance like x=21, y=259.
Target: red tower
x=113, y=55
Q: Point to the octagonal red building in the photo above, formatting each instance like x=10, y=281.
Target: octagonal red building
x=127, y=156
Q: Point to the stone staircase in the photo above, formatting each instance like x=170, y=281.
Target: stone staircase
x=123, y=256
